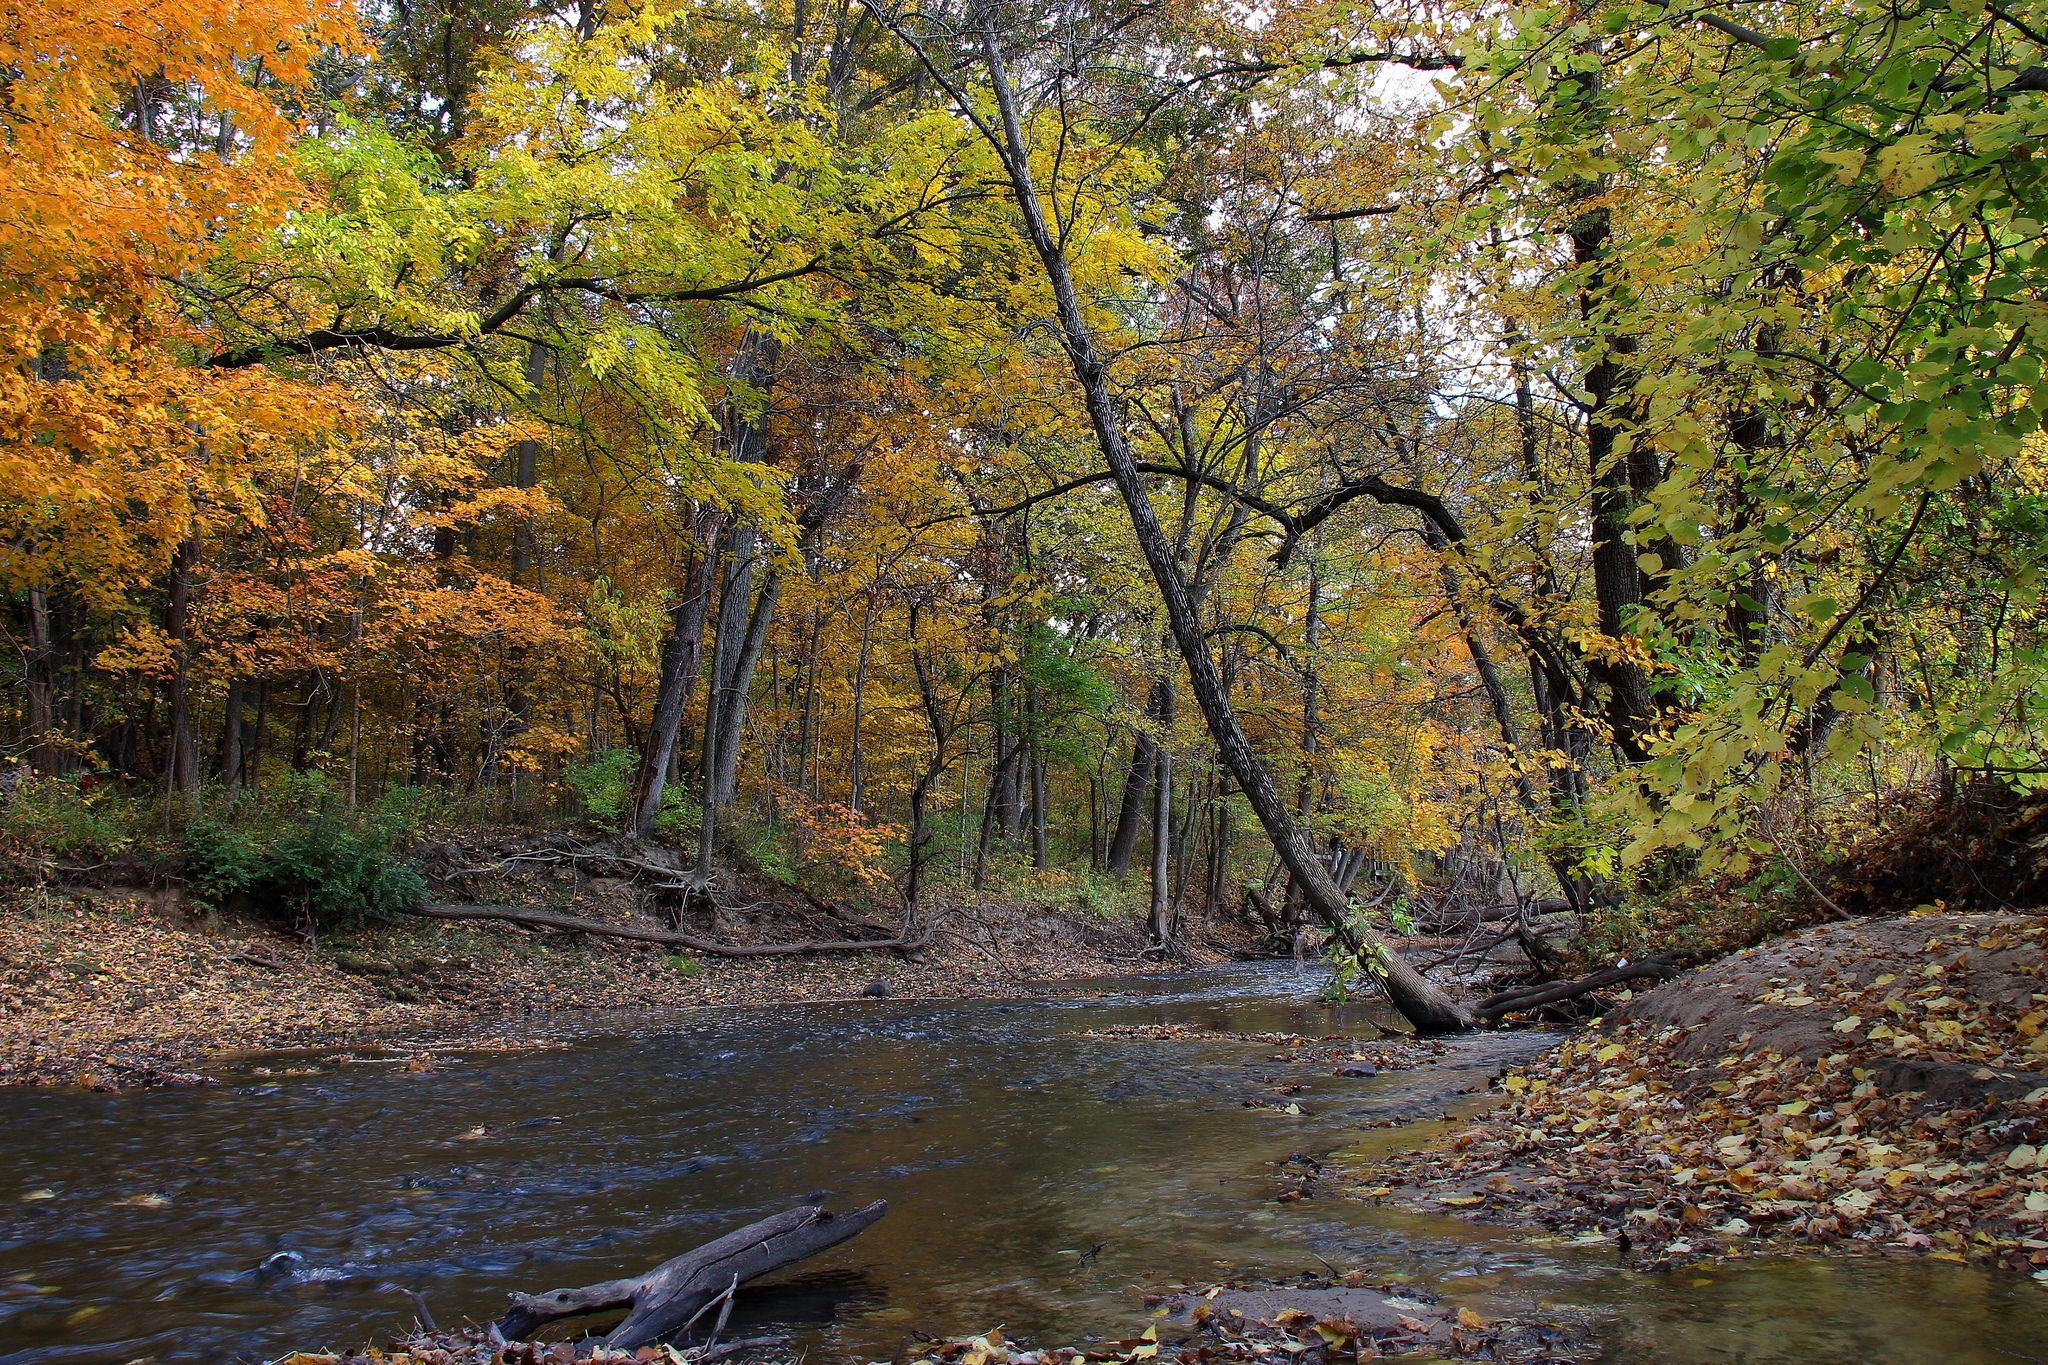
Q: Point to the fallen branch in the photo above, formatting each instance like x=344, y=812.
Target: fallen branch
x=675, y=938
x=1805, y=881
x=670, y=1296
x=1528, y=997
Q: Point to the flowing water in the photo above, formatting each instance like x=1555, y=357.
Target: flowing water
x=1034, y=1176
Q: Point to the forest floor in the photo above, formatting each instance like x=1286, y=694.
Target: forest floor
x=112, y=986
x=1867, y=1084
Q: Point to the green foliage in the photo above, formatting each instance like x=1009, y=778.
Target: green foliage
x=1348, y=969
x=64, y=816
x=603, y=784
x=1095, y=894
x=687, y=965
x=306, y=860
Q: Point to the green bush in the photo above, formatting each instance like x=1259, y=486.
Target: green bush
x=64, y=816
x=317, y=866
x=603, y=784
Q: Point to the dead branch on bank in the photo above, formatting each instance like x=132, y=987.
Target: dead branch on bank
x=1530, y=997
x=674, y=938
x=668, y=1298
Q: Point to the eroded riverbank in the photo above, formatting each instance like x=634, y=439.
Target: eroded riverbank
x=1040, y=1178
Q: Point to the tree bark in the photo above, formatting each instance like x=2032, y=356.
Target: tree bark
x=1162, y=829
x=1613, y=417
x=1425, y=1005
x=40, y=675
x=667, y=1298
x=1031, y=722
x=182, y=762
x=860, y=689
x=739, y=684
x=1137, y=782
x=680, y=656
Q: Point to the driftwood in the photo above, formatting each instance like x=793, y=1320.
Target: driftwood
x=1529, y=997
x=676, y=938
x=669, y=1297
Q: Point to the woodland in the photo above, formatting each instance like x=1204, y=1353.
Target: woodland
x=1279, y=462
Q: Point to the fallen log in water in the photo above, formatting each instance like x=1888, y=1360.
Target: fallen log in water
x=542, y=919
x=669, y=1297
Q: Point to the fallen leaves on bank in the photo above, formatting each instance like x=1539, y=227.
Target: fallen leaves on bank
x=1842, y=1087
x=111, y=990
x=1299, y=1322
x=479, y=1348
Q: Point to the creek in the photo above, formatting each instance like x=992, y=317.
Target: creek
x=1035, y=1175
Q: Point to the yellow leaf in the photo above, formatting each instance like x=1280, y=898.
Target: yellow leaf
x=1608, y=1053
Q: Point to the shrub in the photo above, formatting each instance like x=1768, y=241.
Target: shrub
x=320, y=867
x=62, y=816
x=603, y=784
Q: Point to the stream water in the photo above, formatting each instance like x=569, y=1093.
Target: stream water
x=1034, y=1175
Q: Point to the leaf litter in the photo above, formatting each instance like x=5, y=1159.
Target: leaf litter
x=1882, y=1084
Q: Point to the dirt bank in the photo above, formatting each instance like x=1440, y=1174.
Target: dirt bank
x=1879, y=1083
x=113, y=987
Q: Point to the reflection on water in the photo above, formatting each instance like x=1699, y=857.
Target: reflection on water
x=1034, y=1176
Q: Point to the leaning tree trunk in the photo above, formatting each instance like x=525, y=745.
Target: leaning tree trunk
x=1425, y=1005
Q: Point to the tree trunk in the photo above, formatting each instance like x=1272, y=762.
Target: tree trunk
x=1038, y=852
x=1612, y=419
x=231, y=736
x=1161, y=919
x=860, y=689
x=41, y=679
x=1425, y=1006
x=1137, y=782
x=739, y=685
x=680, y=654
x=722, y=646
x=182, y=762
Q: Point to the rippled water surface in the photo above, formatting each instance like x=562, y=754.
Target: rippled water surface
x=1034, y=1176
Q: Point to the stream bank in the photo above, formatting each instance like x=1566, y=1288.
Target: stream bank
x=117, y=987
x=1877, y=1084
x=1051, y=1166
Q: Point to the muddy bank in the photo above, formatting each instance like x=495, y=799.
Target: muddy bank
x=1875, y=1084
x=112, y=987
